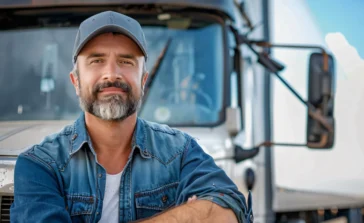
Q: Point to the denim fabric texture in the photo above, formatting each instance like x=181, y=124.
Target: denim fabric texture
x=60, y=180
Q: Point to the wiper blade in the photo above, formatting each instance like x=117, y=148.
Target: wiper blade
x=157, y=65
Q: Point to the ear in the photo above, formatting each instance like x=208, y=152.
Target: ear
x=75, y=82
x=145, y=78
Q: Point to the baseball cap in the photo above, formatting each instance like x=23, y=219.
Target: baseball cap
x=105, y=22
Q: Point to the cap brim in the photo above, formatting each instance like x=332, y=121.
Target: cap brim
x=108, y=29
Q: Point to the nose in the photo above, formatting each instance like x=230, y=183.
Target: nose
x=112, y=72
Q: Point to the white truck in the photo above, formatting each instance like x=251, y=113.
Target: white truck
x=210, y=75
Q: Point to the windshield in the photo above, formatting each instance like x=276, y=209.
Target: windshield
x=187, y=89
x=188, y=85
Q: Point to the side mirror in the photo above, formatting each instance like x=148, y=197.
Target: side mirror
x=321, y=84
x=320, y=127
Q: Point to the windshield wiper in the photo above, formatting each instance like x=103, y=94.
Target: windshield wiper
x=157, y=65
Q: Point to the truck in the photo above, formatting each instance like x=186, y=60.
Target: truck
x=211, y=70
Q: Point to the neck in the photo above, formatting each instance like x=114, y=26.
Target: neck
x=111, y=137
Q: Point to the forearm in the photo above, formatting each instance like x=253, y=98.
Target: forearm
x=198, y=211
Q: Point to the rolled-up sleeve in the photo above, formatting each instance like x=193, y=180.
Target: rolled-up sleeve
x=200, y=176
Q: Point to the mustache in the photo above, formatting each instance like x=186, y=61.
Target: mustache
x=122, y=85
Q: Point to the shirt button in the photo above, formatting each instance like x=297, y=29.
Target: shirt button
x=74, y=136
x=97, y=213
x=164, y=198
x=100, y=175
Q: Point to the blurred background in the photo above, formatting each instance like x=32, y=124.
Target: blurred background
x=210, y=65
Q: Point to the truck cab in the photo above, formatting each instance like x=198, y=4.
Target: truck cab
x=205, y=79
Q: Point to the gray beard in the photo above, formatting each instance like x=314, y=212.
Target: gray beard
x=112, y=108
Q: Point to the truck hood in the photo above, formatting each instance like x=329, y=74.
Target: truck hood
x=17, y=136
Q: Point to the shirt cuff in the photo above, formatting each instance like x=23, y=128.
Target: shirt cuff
x=244, y=214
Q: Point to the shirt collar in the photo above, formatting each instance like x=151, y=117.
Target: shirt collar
x=80, y=136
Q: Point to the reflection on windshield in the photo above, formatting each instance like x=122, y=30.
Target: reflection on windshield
x=188, y=85
x=34, y=80
x=35, y=85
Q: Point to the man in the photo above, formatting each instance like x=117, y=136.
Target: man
x=110, y=165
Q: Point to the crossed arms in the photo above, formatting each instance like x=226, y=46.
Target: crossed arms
x=38, y=194
x=196, y=211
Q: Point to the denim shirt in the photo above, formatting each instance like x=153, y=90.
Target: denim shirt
x=60, y=180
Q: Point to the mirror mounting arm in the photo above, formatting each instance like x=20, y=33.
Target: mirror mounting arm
x=270, y=64
x=241, y=154
x=295, y=46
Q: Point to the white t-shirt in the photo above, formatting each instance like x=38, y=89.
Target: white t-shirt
x=110, y=207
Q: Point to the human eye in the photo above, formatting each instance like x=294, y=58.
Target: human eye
x=96, y=61
x=126, y=62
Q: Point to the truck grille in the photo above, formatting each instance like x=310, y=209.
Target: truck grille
x=6, y=202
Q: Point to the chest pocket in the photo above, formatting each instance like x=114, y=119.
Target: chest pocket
x=151, y=202
x=80, y=207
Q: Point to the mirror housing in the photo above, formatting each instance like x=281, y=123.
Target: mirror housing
x=321, y=84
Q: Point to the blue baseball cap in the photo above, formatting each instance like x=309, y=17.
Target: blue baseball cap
x=106, y=22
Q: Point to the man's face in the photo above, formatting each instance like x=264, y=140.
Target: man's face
x=110, y=80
